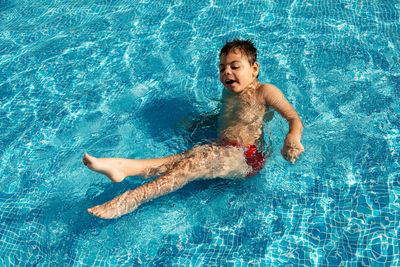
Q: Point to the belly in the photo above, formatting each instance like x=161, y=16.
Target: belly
x=241, y=134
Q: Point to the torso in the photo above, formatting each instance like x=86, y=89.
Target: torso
x=242, y=115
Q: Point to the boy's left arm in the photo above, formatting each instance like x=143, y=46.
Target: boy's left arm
x=292, y=147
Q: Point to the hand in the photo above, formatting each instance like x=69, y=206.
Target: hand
x=292, y=148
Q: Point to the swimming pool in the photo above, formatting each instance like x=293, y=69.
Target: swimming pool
x=119, y=78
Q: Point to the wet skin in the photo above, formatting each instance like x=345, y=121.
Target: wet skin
x=244, y=104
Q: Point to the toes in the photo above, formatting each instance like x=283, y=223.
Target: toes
x=88, y=157
x=99, y=212
x=85, y=159
x=88, y=160
x=91, y=210
x=95, y=212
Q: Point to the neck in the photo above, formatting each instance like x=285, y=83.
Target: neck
x=251, y=87
x=249, y=92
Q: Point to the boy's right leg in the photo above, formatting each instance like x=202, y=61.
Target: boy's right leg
x=117, y=169
x=201, y=162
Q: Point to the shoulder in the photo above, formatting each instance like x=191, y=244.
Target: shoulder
x=268, y=88
x=268, y=93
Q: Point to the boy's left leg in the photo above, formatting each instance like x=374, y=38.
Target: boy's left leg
x=117, y=169
x=201, y=162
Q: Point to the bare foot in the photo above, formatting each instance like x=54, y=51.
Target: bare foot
x=105, y=211
x=114, y=208
x=111, y=167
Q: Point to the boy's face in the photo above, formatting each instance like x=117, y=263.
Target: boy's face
x=235, y=71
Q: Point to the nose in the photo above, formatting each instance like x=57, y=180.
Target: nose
x=227, y=70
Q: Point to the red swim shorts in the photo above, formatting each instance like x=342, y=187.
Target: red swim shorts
x=254, y=158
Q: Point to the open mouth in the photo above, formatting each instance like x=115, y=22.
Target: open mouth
x=230, y=82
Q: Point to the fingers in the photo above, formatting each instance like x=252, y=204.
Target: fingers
x=287, y=156
x=284, y=154
x=291, y=154
x=294, y=157
x=292, y=149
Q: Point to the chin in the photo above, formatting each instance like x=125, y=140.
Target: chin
x=235, y=90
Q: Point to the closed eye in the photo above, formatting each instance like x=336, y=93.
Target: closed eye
x=235, y=65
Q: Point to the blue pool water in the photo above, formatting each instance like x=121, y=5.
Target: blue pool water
x=120, y=78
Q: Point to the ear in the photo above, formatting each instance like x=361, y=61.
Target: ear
x=255, y=69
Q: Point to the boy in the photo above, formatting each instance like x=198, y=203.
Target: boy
x=244, y=103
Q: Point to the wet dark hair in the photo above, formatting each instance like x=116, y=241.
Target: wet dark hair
x=244, y=46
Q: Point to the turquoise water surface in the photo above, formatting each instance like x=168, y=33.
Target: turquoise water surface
x=123, y=78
